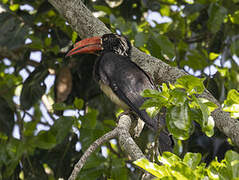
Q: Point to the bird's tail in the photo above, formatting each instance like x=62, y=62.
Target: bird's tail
x=158, y=125
x=165, y=139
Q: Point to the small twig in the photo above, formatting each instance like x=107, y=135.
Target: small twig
x=113, y=151
x=48, y=106
x=46, y=103
x=33, y=63
x=90, y=150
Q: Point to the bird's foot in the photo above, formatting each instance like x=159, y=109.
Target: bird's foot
x=137, y=123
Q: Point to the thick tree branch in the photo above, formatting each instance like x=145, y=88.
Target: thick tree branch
x=86, y=25
x=125, y=140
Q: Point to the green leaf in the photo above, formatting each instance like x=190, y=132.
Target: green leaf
x=234, y=108
x=235, y=48
x=232, y=97
x=167, y=47
x=213, y=56
x=191, y=84
x=94, y=168
x=36, y=44
x=74, y=36
x=151, y=93
x=168, y=158
x=29, y=128
x=217, y=14
x=154, y=169
x=207, y=123
x=6, y=117
x=62, y=107
x=178, y=96
x=62, y=127
x=14, y=7
x=89, y=119
x=179, y=122
x=195, y=60
x=232, y=161
x=78, y=103
x=141, y=39
x=45, y=140
x=56, y=134
x=183, y=172
x=153, y=111
x=119, y=172
x=103, y=8
x=13, y=151
x=235, y=17
x=153, y=102
x=12, y=32
x=228, y=168
x=48, y=41
x=192, y=159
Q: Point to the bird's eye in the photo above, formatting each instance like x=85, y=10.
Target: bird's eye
x=105, y=38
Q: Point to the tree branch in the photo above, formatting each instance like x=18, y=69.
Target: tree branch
x=106, y=137
x=86, y=25
x=125, y=140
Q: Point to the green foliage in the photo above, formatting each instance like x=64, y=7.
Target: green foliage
x=190, y=167
x=182, y=106
x=232, y=103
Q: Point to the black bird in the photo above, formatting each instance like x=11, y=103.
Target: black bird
x=120, y=78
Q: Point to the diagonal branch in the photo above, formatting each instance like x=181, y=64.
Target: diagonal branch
x=86, y=25
x=106, y=137
x=125, y=141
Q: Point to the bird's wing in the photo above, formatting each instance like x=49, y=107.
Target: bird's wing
x=127, y=81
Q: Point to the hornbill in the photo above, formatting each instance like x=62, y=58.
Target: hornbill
x=120, y=78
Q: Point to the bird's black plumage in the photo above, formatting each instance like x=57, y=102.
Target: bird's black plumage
x=127, y=81
x=121, y=79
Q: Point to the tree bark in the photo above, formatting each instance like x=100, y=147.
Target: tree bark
x=86, y=25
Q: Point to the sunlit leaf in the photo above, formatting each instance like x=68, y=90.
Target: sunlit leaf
x=14, y=7
x=192, y=84
x=179, y=121
x=213, y=56
x=192, y=159
x=207, y=121
x=156, y=170
x=78, y=103
x=168, y=158
x=178, y=96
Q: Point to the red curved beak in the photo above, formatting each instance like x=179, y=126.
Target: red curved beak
x=88, y=45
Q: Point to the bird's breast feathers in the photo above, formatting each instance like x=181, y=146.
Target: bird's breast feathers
x=113, y=97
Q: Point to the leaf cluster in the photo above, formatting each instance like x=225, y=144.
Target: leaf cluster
x=183, y=106
x=190, y=167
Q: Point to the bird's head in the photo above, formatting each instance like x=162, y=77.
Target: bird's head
x=107, y=43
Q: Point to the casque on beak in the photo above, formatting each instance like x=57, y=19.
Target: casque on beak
x=88, y=45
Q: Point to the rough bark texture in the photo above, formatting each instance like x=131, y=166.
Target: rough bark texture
x=86, y=25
